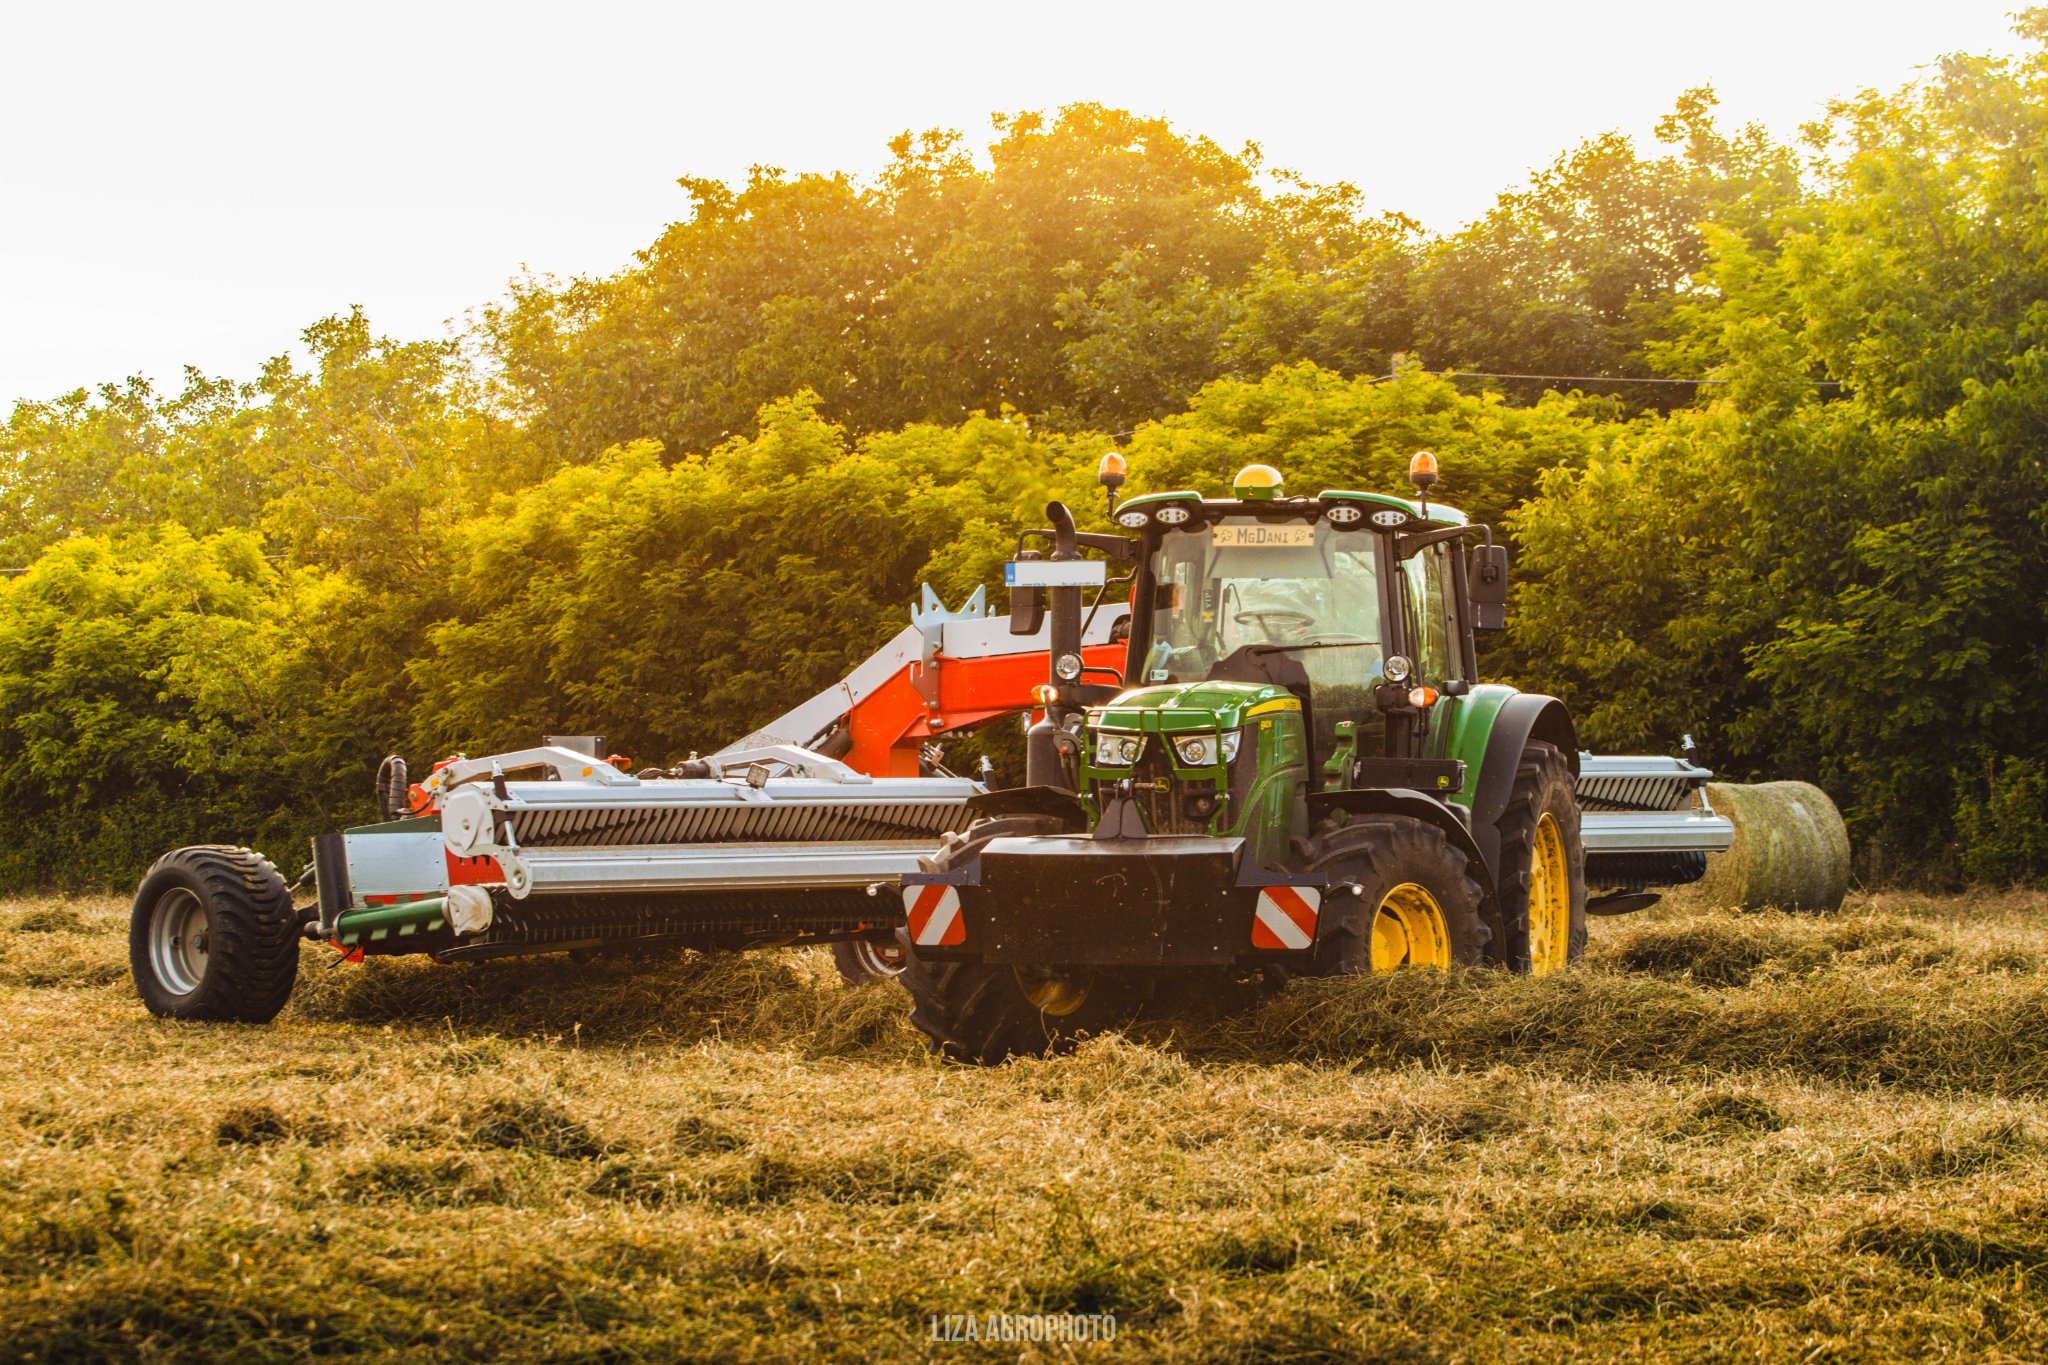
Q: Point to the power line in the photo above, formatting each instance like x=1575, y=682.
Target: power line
x=1572, y=378
x=1587, y=378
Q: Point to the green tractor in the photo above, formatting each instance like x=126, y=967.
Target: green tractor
x=1297, y=772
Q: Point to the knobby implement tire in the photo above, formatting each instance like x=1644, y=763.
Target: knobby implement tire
x=862, y=960
x=1382, y=853
x=213, y=936
x=1543, y=788
x=985, y=1013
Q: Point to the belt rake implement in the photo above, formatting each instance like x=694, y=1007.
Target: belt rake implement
x=794, y=835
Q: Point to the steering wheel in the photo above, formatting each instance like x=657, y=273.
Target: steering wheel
x=1272, y=623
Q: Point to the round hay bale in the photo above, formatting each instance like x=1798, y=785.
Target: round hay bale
x=1791, y=850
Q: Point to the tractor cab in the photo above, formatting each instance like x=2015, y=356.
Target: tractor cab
x=1349, y=601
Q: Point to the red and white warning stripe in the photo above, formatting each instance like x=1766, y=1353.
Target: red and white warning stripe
x=933, y=913
x=1286, y=917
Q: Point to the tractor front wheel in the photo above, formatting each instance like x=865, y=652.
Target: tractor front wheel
x=986, y=1013
x=1418, y=904
x=213, y=936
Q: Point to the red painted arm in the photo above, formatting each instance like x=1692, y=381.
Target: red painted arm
x=893, y=721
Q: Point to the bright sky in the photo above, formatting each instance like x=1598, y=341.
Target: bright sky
x=196, y=182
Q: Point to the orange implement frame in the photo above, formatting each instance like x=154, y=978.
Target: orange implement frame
x=895, y=719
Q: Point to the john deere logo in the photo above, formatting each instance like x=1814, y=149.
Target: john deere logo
x=1390, y=516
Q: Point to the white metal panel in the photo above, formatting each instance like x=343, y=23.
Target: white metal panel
x=718, y=867
x=1638, y=765
x=1658, y=831
x=396, y=864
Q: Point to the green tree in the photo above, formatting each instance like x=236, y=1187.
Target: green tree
x=144, y=690
x=1870, y=475
x=124, y=456
x=946, y=287
x=372, y=453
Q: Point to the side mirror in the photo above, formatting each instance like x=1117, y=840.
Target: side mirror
x=1486, y=582
x=1027, y=605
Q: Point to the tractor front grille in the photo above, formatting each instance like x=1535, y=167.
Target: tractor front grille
x=1163, y=802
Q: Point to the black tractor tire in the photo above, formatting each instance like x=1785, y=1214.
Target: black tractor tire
x=986, y=1013
x=863, y=960
x=1380, y=853
x=1543, y=788
x=213, y=936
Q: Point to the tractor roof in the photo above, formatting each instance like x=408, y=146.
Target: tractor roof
x=1438, y=513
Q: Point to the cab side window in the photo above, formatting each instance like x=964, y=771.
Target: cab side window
x=1428, y=575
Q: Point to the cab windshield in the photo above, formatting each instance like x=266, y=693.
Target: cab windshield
x=1240, y=597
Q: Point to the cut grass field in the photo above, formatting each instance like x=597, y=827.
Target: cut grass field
x=1726, y=1138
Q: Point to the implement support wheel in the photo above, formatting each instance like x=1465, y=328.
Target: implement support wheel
x=213, y=936
x=862, y=960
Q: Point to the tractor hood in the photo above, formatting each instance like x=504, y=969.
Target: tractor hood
x=1172, y=707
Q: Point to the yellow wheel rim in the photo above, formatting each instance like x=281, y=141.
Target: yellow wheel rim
x=1409, y=930
x=1550, y=900
x=1058, y=996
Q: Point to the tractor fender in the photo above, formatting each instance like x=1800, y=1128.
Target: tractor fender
x=1414, y=804
x=1054, y=802
x=1523, y=717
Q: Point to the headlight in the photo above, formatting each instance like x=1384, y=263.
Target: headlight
x=1113, y=750
x=1396, y=668
x=1199, y=751
x=1135, y=518
x=1170, y=515
x=1067, y=667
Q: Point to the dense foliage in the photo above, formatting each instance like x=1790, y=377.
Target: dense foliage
x=664, y=504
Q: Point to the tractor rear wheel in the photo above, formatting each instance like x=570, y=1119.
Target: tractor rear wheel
x=1419, y=907
x=213, y=936
x=1542, y=877
x=986, y=1013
